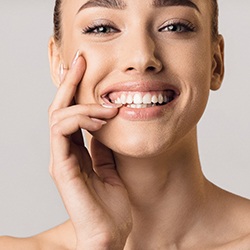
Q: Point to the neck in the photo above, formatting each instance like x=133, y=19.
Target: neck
x=164, y=190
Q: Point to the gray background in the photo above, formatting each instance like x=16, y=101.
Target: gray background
x=29, y=201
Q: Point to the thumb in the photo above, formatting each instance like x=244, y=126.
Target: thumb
x=104, y=163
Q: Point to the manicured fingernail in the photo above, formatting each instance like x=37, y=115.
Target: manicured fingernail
x=61, y=72
x=111, y=106
x=75, y=58
x=99, y=121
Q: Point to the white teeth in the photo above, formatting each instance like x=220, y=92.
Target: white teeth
x=160, y=98
x=154, y=99
x=123, y=99
x=118, y=101
x=138, y=106
x=138, y=98
x=146, y=98
x=129, y=99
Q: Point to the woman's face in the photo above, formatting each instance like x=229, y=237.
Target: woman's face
x=144, y=51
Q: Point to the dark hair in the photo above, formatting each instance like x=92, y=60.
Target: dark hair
x=58, y=23
x=215, y=21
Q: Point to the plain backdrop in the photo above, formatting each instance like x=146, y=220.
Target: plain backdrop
x=29, y=201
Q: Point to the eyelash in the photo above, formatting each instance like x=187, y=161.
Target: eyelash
x=105, y=29
x=178, y=27
x=95, y=29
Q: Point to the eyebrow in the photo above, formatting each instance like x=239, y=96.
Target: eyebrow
x=165, y=3
x=121, y=5
x=111, y=4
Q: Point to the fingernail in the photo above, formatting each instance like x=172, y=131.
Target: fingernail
x=75, y=58
x=111, y=106
x=61, y=72
x=99, y=121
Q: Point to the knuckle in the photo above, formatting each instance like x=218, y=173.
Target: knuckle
x=50, y=109
x=78, y=118
x=53, y=174
x=51, y=171
x=56, y=129
x=54, y=117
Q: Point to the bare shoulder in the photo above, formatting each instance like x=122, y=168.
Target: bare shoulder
x=61, y=237
x=237, y=223
x=228, y=220
x=11, y=243
x=241, y=213
x=243, y=243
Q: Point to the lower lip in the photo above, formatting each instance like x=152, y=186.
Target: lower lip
x=144, y=114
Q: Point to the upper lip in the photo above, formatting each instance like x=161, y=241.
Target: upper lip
x=139, y=86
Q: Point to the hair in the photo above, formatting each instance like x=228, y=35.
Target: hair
x=58, y=21
x=215, y=21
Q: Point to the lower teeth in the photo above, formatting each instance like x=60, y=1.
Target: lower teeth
x=138, y=106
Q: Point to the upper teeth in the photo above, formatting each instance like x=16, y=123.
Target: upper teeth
x=140, y=98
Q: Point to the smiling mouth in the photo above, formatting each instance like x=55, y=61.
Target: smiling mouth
x=134, y=99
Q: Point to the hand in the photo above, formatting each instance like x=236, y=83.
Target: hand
x=94, y=195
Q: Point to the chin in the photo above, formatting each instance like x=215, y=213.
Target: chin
x=137, y=148
x=135, y=141
x=139, y=152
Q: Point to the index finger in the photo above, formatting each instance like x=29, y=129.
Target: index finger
x=67, y=89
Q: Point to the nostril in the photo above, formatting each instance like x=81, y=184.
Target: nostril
x=151, y=68
x=130, y=68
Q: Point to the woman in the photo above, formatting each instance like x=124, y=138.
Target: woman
x=136, y=75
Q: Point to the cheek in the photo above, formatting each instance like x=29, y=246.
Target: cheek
x=192, y=62
x=99, y=64
x=191, y=65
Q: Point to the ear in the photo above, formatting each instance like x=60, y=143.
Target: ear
x=218, y=64
x=55, y=60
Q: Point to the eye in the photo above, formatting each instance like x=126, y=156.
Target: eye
x=178, y=27
x=100, y=29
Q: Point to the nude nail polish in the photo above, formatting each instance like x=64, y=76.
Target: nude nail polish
x=112, y=106
x=61, y=72
x=75, y=58
x=99, y=121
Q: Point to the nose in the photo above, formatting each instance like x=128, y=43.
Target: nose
x=140, y=55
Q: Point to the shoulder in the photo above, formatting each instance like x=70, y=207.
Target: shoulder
x=243, y=243
x=11, y=243
x=228, y=220
x=237, y=211
x=61, y=237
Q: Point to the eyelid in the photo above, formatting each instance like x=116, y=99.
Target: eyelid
x=177, y=21
x=88, y=29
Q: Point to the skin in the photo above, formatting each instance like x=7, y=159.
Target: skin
x=128, y=196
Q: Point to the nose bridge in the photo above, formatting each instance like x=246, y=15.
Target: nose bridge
x=141, y=52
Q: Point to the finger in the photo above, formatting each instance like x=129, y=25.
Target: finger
x=61, y=134
x=67, y=89
x=91, y=110
x=104, y=163
x=69, y=160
